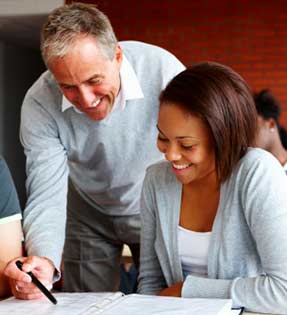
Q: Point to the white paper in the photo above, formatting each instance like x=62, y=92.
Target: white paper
x=68, y=304
x=135, y=304
x=116, y=304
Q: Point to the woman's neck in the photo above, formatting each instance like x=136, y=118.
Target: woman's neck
x=199, y=204
x=206, y=184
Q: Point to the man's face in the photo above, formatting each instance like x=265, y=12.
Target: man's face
x=87, y=78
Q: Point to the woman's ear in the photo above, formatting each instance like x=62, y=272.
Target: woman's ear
x=272, y=124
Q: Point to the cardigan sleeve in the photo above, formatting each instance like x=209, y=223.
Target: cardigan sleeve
x=151, y=278
x=263, y=197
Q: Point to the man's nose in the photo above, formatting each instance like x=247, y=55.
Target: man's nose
x=87, y=97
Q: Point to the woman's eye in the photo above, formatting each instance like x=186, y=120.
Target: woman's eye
x=161, y=139
x=187, y=147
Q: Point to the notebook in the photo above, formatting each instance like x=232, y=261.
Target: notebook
x=117, y=304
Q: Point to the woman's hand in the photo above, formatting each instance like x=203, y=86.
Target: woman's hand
x=174, y=290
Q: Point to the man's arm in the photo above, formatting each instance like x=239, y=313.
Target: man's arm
x=45, y=212
x=47, y=173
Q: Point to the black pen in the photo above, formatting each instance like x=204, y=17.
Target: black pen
x=39, y=285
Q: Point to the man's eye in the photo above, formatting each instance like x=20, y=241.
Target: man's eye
x=66, y=87
x=96, y=82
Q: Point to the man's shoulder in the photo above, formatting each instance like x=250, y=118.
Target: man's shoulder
x=137, y=45
x=44, y=89
x=153, y=62
x=140, y=50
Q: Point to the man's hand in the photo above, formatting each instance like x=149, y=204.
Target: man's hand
x=20, y=282
x=174, y=290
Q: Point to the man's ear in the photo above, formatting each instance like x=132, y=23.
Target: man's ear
x=119, y=54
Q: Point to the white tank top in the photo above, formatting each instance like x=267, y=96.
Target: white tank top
x=193, y=251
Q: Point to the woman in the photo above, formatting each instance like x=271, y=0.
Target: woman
x=10, y=224
x=214, y=215
x=271, y=136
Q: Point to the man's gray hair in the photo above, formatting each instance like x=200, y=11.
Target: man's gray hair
x=69, y=22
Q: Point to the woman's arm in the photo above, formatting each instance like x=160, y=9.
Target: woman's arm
x=174, y=290
x=10, y=247
x=151, y=278
x=10, y=224
x=262, y=190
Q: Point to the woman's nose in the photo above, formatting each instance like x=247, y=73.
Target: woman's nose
x=172, y=153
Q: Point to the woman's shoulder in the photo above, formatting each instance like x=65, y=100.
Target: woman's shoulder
x=256, y=165
x=160, y=173
x=9, y=203
x=4, y=171
x=159, y=169
x=159, y=166
x=256, y=158
x=258, y=153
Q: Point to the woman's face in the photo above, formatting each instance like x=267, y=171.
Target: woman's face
x=186, y=142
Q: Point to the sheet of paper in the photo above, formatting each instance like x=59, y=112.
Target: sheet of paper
x=116, y=304
x=151, y=305
x=68, y=304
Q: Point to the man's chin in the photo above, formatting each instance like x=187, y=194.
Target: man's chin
x=101, y=111
x=98, y=115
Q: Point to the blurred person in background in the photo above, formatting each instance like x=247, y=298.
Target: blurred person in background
x=271, y=136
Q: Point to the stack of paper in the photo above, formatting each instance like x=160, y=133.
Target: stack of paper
x=117, y=304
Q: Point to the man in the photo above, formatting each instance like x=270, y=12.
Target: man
x=88, y=127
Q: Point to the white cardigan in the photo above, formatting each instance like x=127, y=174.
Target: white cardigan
x=247, y=260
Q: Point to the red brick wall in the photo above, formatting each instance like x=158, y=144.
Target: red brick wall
x=248, y=35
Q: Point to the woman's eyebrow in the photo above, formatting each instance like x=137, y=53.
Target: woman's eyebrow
x=179, y=137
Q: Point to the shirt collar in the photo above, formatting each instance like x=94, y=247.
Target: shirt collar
x=130, y=88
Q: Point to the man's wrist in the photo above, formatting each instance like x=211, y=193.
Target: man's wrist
x=57, y=273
